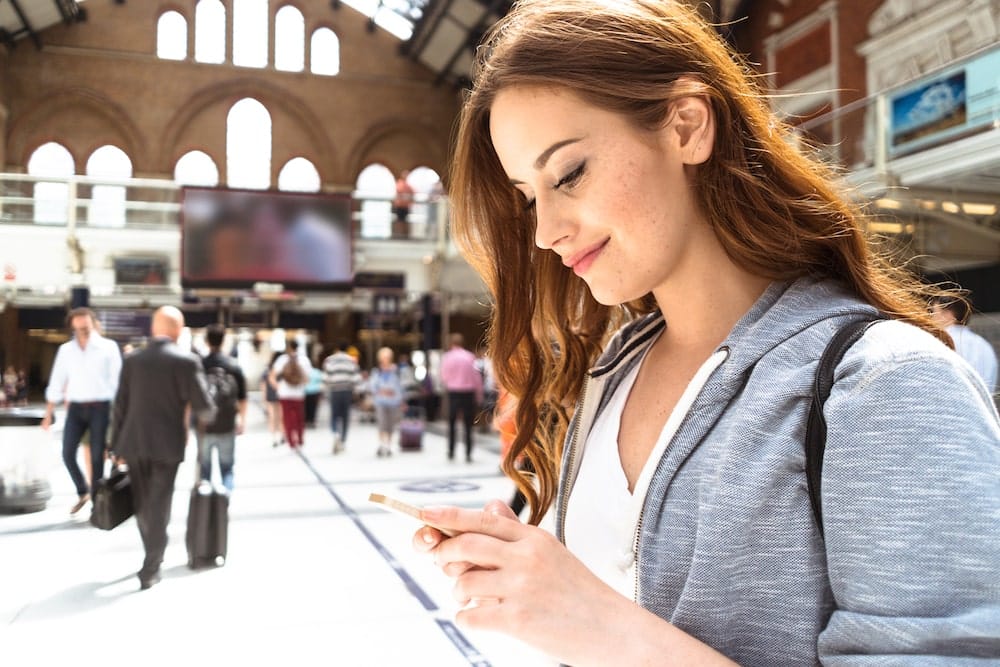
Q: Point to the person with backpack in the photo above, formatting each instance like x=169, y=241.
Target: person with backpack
x=289, y=375
x=228, y=388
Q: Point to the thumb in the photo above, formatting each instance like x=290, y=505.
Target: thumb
x=500, y=508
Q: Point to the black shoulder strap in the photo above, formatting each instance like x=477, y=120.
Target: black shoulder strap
x=816, y=426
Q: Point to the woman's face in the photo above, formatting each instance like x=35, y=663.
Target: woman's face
x=610, y=199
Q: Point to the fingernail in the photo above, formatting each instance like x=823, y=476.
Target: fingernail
x=427, y=538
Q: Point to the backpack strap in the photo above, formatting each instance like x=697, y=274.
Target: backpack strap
x=815, y=443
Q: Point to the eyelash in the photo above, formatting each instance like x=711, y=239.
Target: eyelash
x=569, y=179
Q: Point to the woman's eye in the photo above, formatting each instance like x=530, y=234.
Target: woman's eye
x=572, y=177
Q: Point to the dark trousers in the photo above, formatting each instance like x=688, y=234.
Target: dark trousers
x=340, y=411
x=81, y=417
x=312, y=403
x=152, y=493
x=464, y=403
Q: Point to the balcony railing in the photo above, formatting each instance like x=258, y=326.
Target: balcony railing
x=84, y=202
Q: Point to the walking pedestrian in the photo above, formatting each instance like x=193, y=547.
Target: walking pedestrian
x=159, y=385
x=85, y=376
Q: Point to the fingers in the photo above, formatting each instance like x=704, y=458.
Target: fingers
x=496, y=520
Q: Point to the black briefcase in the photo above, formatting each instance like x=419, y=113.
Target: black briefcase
x=112, y=500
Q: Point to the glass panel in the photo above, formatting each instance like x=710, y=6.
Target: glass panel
x=51, y=199
x=248, y=145
x=325, y=52
x=171, y=36
x=289, y=40
x=250, y=33
x=210, y=32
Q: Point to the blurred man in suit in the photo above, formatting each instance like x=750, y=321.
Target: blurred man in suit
x=158, y=385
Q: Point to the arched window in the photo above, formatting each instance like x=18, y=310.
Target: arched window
x=171, y=36
x=376, y=187
x=424, y=213
x=107, y=202
x=51, y=160
x=250, y=33
x=248, y=145
x=289, y=40
x=196, y=168
x=210, y=32
x=324, y=52
x=299, y=175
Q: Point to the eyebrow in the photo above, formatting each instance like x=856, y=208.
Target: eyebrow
x=543, y=159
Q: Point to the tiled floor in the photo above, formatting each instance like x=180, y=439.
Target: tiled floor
x=316, y=575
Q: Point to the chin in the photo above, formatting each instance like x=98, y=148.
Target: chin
x=610, y=297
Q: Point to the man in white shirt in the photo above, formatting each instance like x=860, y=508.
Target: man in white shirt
x=951, y=314
x=85, y=376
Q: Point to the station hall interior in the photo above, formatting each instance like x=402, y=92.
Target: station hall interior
x=242, y=159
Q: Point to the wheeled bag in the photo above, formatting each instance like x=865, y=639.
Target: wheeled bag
x=207, y=526
x=411, y=431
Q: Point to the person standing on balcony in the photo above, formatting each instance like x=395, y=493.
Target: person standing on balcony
x=401, y=205
x=85, y=376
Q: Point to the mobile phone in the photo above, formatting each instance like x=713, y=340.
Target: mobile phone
x=407, y=509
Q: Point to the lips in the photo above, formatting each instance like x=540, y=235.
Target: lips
x=581, y=261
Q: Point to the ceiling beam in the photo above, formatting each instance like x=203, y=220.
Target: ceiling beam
x=26, y=25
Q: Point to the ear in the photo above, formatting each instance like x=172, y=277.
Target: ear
x=694, y=125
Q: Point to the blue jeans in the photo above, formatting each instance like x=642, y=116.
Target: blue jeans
x=81, y=417
x=225, y=443
x=340, y=411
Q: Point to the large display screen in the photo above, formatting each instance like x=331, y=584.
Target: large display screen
x=235, y=238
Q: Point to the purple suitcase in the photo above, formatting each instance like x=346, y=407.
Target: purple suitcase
x=411, y=434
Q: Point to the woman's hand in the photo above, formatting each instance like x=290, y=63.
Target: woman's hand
x=520, y=580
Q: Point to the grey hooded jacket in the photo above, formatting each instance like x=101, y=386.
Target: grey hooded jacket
x=727, y=546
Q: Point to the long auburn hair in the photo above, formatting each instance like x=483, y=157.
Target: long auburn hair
x=774, y=209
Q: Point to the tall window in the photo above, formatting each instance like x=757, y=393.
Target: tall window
x=171, y=36
x=426, y=207
x=376, y=187
x=107, y=202
x=250, y=33
x=196, y=168
x=210, y=32
x=248, y=145
x=51, y=160
x=324, y=50
x=299, y=175
x=289, y=40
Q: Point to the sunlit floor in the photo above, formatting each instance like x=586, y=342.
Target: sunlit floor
x=315, y=574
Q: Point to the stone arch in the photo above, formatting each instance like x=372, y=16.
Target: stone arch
x=399, y=144
x=82, y=120
x=273, y=98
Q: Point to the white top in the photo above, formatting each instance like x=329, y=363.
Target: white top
x=977, y=351
x=286, y=390
x=84, y=375
x=601, y=515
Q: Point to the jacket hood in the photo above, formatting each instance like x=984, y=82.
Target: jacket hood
x=783, y=311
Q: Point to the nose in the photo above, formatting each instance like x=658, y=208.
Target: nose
x=550, y=227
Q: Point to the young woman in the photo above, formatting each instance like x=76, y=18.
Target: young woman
x=666, y=271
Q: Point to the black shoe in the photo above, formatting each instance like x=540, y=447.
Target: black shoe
x=147, y=582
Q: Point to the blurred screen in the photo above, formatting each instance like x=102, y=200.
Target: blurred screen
x=235, y=238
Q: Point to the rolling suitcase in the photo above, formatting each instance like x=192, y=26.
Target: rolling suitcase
x=207, y=526
x=411, y=431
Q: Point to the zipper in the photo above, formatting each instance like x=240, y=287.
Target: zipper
x=642, y=510
x=571, y=463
